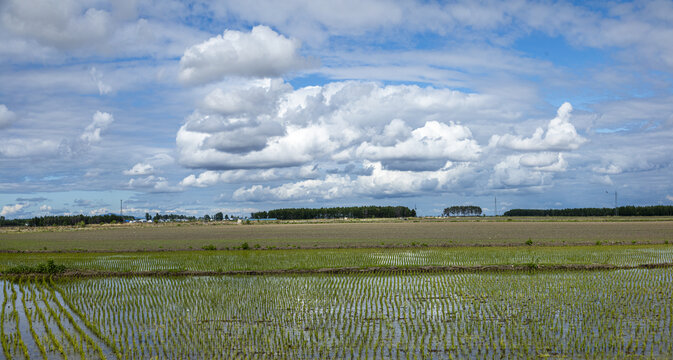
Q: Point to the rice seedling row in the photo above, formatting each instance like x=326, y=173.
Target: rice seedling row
x=39, y=326
x=580, y=314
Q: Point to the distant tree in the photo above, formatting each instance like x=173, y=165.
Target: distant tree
x=148, y=217
x=463, y=210
x=226, y=217
x=206, y=217
x=219, y=216
x=157, y=217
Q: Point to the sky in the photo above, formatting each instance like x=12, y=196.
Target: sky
x=195, y=107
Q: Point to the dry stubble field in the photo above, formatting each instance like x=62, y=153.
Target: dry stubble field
x=147, y=237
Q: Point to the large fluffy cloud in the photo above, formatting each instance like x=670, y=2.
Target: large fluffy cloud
x=260, y=53
x=342, y=122
x=404, y=139
x=559, y=136
x=434, y=140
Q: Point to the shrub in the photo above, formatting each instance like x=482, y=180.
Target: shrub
x=46, y=268
x=245, y=246
x=529, y=242
x=532, y=266
x=209, y=247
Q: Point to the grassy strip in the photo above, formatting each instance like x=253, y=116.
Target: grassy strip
x=234, y=261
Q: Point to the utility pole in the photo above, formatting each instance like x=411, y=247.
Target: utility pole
x=616, y=208
x=121, y=209
x=495, y=205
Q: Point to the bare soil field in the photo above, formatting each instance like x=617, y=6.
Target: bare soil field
x=163, y=237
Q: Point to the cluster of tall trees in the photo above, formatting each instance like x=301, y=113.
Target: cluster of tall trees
x=462, y=210
x=336, y=212
x=65, y=220
x=168, y=217
x=657, y=210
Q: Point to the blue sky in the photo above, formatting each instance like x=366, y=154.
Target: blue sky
x=201, y=107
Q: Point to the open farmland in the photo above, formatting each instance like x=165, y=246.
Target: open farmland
x=334, y=235
x=597, y=314
x=530, y=289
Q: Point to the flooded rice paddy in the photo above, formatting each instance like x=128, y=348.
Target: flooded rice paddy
x=571, y=314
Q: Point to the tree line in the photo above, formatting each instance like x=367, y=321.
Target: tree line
x=360, y=212
x=168, y=217
x=657, y=210
x=65, y=220
x=462, y=210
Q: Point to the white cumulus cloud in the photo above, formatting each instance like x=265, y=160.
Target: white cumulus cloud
x=152, y=184
x=379, y=183
x=342, y=121
x=210, y=178
x=140, y=169
x=510, y=173
x=100, y=122
x=434, y=140
x=559, y=136
x=12, y=209
x=6, y=116
x=260, y=53
x=545, y=161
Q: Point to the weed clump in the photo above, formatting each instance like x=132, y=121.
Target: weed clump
x=529, y=242
x=209, y=247
x=46, y=268
x=533, y=266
